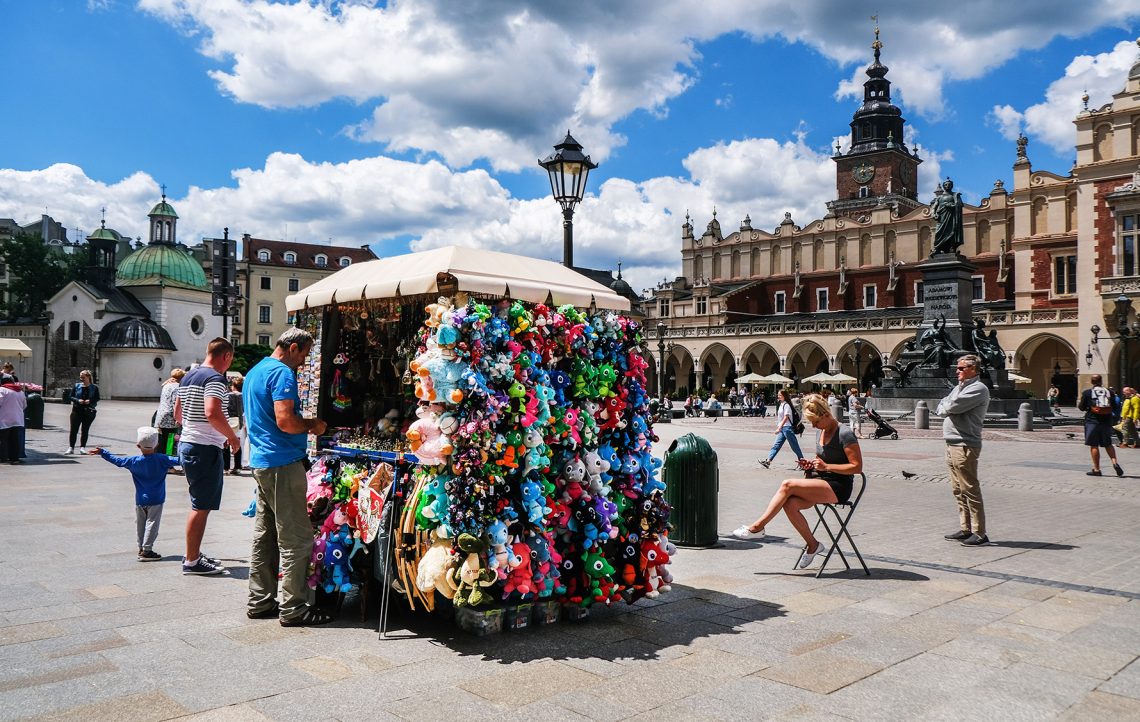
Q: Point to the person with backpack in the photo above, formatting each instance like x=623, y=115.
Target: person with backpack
x=1097, y=404
x=788, y=424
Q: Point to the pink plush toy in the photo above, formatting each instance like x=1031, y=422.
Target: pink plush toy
x=427, y=440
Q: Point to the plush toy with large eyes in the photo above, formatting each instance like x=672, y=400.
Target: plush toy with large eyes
x=337, y=562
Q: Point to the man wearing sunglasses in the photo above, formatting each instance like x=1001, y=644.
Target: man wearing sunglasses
x=963, y=411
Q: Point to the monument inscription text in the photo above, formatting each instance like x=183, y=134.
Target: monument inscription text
x=940, y=298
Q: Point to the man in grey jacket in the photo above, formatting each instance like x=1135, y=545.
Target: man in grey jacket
x=963, y=412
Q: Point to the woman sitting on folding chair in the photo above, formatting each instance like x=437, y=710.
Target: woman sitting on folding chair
x=827, y=479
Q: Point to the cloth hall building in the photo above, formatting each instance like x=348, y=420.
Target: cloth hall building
x=1053, y=252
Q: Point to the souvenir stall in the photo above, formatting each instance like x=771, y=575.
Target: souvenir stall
x=489, y=429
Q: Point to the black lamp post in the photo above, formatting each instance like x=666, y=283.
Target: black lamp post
x=858, y=344
x=661, y=364
x=568, y=169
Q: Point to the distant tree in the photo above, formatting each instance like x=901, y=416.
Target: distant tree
x=36, y=272
x=247, y=355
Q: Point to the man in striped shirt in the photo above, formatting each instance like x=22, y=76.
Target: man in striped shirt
x=200, y=409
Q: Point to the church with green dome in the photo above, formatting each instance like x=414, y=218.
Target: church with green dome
x=132, y=319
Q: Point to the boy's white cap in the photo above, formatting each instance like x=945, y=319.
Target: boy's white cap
x=147, y=437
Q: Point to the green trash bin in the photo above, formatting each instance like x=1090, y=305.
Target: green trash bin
x=692, y=478
x=34, y=413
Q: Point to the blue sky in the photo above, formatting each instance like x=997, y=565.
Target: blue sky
x=417, y=124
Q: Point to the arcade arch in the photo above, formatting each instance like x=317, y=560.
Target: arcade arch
x=805, y=359
x=717, y=367
x=1049, y=360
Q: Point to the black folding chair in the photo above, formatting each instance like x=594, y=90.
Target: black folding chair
x=836, y=538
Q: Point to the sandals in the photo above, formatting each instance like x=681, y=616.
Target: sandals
x=270, y=613
x=309, y=618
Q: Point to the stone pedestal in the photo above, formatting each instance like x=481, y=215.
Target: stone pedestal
x=948, y=295
x=928, y=363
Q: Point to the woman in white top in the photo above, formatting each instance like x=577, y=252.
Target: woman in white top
x=164, y=417
x=784, y=430
x=828, y=479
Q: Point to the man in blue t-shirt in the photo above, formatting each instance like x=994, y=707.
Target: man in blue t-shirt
x=282, y=534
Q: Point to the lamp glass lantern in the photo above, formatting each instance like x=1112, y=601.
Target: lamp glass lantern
x=568, y=169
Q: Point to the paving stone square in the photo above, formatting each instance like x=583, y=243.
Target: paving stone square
x=1044, y=623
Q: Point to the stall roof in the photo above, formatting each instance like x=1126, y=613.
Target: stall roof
x=477, y=270
x=14, y=347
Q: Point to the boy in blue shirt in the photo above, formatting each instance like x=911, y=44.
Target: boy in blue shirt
x=148, y=470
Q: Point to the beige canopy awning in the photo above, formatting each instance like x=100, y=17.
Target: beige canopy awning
x=14, y=347
x=476, y=270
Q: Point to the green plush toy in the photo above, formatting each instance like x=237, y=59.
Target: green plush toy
x=472, y=575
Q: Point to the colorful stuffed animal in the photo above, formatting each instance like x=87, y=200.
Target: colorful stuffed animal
x=425, y=437
x=337, y=562
x=519, y=579
x=435, y=565
x=472, y=577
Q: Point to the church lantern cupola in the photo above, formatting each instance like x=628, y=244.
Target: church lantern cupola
x=163, y=222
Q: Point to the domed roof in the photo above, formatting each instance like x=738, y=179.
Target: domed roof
x=103, y=233
x=162, y=208
x=161, y=264
x=135, y=333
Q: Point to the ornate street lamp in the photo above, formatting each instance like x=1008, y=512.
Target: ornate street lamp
x=661, y=364
x=568, y=169
x=858, y=344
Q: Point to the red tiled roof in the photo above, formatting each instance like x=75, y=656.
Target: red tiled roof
x=306, y=253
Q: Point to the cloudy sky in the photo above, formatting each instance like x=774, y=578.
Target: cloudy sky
x=417, y=124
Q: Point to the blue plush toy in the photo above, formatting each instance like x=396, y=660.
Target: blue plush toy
x=337, y=563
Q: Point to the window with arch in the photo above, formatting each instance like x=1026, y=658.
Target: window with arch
x=841, y=250
x=717, y=269
x=1071, y=212
x=984, y=237
x=321, y=260
x=890, y=247
x=74, y=331
x=1128, y=230
x=754, y=267
x=698, y=267
x=775, y=261
x=924, y=242
x=263, y=256
x=817, y=255
x=1039, y=220
x=345, y=261
x=865, y=250
x=1102, y=142
x=290, y=257
x=734, y=269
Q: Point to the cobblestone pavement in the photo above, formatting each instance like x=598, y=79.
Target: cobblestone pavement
x=1042, y=624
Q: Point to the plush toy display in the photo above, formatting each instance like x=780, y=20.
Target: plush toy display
x=534, y=432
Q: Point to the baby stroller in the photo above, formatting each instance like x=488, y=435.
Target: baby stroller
x=882, y=428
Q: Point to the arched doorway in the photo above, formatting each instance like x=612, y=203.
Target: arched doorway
x=805, y=359
x=868, y=368
x=1050, y=361
x=680, y=372
x=1132, y=375
x=718, y=368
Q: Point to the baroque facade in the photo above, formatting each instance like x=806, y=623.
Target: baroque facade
x=842, y=293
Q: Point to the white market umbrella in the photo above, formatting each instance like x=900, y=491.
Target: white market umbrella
x=842, y=378
x=750, y=379
x=820, y=378
x=776, y=379
x=1019, y=379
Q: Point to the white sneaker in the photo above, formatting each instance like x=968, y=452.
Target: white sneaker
x=808, y=558
x=742, y=532
x=83, y=450
x=70, y=450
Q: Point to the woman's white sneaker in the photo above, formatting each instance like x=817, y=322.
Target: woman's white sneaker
x=742, y=532
x=809, y=557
